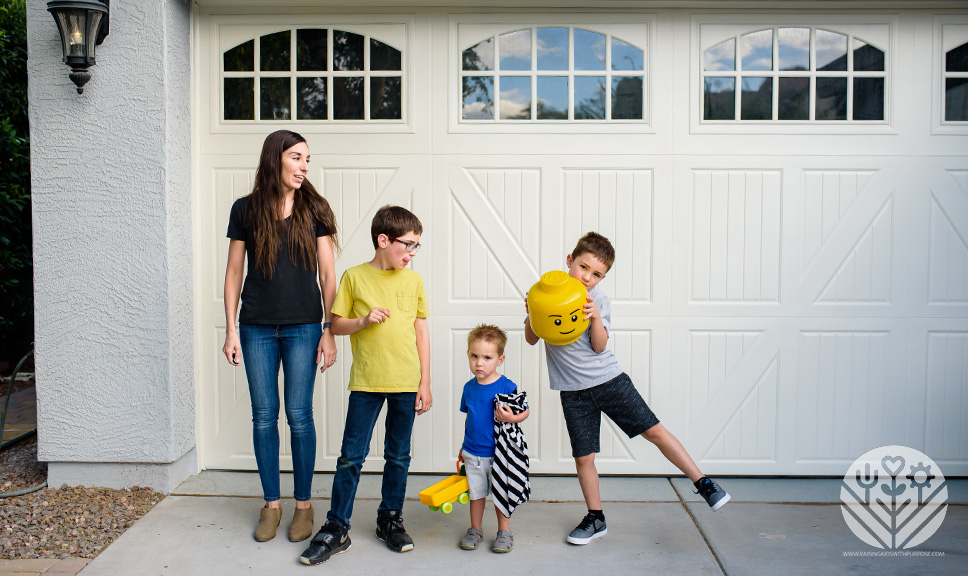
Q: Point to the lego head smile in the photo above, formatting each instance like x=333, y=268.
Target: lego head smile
x=555, y=305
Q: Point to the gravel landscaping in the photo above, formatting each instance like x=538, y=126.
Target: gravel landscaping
x=65, y=522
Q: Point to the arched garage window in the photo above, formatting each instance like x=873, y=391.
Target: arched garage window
x=312, y=74
x=553, y=74
x=793, y=74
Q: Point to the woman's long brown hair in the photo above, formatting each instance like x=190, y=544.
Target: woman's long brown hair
x=265, y=209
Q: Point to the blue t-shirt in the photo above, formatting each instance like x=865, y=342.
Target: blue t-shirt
x=477, y=401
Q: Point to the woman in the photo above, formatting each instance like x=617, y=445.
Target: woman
x=288, y=232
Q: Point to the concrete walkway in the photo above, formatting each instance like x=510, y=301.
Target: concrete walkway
x=655, y=526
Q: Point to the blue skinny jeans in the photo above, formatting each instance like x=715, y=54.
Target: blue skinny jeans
x=263, y=348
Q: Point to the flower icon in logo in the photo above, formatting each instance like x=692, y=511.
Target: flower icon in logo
x=878, y=505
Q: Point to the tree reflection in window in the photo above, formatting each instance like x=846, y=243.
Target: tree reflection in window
x=813, y=77
x=956, y=84
x=333, y=75
x=553, y=74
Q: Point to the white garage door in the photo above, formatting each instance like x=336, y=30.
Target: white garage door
x=787, y=193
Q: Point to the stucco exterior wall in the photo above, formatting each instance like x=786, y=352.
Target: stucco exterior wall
x=111, y=177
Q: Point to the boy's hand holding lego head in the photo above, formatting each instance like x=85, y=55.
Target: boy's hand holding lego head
x=555, y=306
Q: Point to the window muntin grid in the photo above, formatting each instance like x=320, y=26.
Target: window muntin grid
x=794, y=74
x=550, y=74
x=319, y=75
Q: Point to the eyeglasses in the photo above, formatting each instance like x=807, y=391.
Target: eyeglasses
x=410, y=246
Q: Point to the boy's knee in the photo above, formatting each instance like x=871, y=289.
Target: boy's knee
x=585, y=461
x=655, y=434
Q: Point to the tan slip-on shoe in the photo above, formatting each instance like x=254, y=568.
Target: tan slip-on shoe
x=302, y=524
x=268, y=521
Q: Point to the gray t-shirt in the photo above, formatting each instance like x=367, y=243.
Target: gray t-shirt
x=576, y=366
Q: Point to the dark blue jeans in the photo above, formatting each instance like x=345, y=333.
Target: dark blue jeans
x=263, y=348
x=361, y=415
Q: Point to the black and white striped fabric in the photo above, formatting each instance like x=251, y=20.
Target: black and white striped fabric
x=509, y=473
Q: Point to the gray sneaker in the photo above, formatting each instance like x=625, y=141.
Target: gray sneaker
x=712, y=493
x=589, y=529
x=504, y=542
x=471, y=539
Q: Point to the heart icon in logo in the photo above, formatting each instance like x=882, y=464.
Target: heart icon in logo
x=896, y=461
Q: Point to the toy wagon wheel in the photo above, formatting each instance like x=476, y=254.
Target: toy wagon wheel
x=446, y=507
x=434, y=508
x=464, y=498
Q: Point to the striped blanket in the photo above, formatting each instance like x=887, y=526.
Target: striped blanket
x=509, y=473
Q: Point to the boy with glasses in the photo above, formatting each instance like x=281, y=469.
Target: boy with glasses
x=382, y=306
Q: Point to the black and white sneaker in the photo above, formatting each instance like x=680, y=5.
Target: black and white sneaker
x=331, y=539
x=712, y=493
x=389, y=528
x=589, y=529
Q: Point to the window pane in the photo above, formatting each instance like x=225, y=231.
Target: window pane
x=867, y=58
x=720, y=57
x=385, y=98
x=515, y=50
x=239, y=94
x=348, y=98
x=383, y=56
x=868, y=98
x=274, y=52
x=311, y=49
x=311, y=104
x=956, y=99
x=589, y=97
x=831, y=51
x=757, y=50
x=831, y=99
x=515, y=98
x=274, y=98
x=757, y=99
x=719, y=99
x=625, y=56
x=480, y=56
x=552, y=97
x=626, y=97
x=552, y=49
x=793, y=100
x=348, y=53
x=794, y=48
x=478, y=102
x=240, y=58
x=956, y=60
x=589, y=50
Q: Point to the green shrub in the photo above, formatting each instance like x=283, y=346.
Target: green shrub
x=16, y=269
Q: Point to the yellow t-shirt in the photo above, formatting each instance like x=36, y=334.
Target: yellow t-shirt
x=384, y=355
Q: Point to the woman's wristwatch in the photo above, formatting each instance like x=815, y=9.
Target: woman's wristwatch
x=327, y=325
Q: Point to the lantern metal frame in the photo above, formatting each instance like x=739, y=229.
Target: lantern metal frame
x=82, y=58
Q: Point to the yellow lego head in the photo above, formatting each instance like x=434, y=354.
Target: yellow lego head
x=555, y=305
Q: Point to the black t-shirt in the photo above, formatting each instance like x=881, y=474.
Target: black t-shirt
x=291, y=296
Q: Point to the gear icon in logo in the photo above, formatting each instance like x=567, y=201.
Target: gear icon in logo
x=920, y=476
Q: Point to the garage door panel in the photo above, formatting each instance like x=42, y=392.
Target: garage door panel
x=844, y=380
x=947, y=395
x=849, y=259
x=619, y=205
x=728, y=369
x=478, y=273
x=948, y=272
x=734, y=249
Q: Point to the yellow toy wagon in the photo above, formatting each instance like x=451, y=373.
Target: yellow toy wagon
x=442, y=495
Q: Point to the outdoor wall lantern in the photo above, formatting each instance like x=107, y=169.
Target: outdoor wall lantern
x=82, y=24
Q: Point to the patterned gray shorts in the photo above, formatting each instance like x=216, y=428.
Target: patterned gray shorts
x=618, y=399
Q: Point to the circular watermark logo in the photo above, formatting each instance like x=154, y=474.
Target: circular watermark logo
x=894, y=497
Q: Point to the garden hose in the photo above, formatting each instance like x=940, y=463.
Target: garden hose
x=3, y=422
